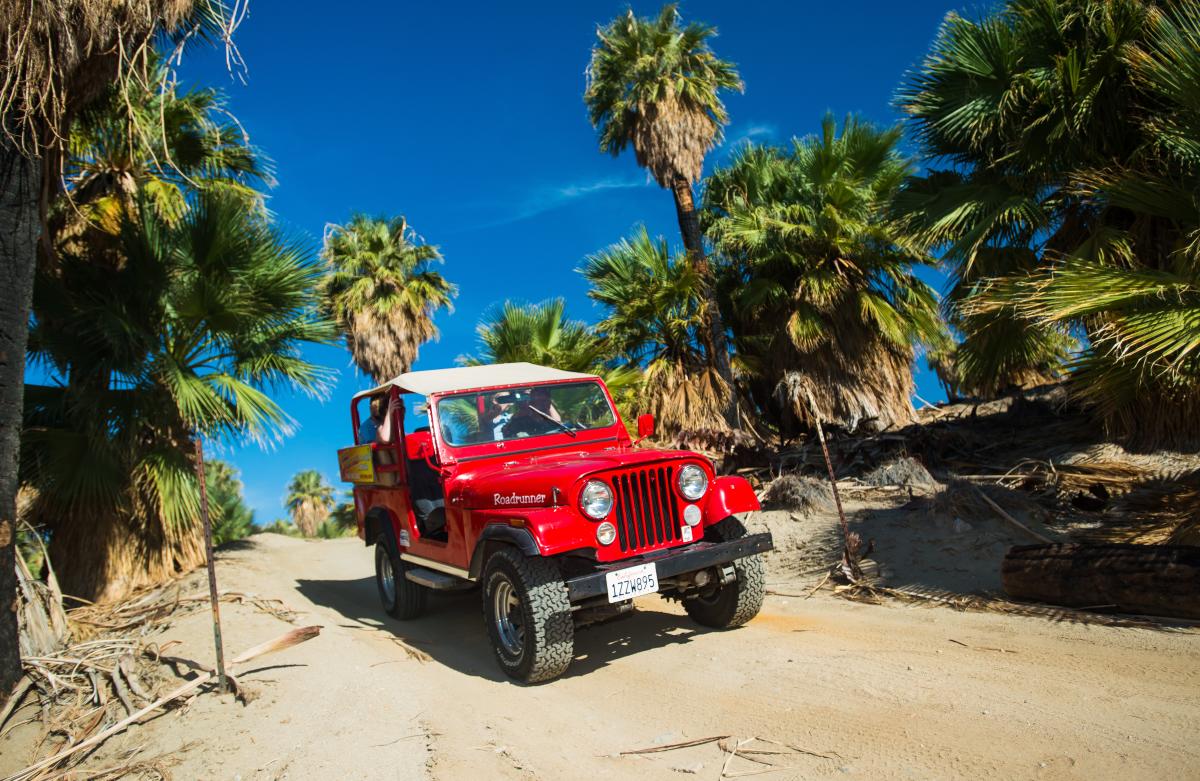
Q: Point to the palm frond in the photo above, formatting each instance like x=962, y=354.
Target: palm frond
x=1068, y=201
x=655, y=83
x=381, y=289
x=812, y=244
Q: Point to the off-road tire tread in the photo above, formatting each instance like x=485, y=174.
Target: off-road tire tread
x=552, y=625
x=412, y=599
x=750, y=587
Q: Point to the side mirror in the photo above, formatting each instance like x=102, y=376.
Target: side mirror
x=645, y=426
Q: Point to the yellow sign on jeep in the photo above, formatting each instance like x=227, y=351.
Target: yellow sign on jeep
x=356, y=465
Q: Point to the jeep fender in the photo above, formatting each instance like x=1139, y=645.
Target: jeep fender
x=378, y=520
x=730, y=495
x=495, y=535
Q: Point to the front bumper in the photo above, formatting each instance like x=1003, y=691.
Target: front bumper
x=671, y=562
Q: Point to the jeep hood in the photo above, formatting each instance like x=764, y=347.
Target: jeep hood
x=532, y=481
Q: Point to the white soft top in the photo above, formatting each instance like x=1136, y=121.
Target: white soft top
x=463, y=378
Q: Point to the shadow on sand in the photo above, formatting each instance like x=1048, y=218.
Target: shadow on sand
x=453, y=633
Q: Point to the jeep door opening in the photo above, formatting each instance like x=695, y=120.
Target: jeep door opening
x=523, y=481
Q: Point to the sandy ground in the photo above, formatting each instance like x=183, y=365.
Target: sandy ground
x=882, y=691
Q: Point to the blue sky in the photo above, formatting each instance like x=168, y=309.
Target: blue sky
x=468, y=119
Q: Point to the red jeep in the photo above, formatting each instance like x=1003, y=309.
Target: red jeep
x=523, y=479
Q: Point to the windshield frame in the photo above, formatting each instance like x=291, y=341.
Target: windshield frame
x=551, y=439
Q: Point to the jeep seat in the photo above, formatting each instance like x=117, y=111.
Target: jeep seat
x=425, y=486
x=418, y=444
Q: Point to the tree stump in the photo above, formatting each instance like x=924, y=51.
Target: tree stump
x=1159, y=580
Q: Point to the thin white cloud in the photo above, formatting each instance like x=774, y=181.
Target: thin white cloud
x=745, y=134
x=573, y=191
x=544, y=199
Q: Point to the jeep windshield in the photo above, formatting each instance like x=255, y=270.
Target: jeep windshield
x=518, y=413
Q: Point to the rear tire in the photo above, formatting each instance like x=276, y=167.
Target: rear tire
x=528, y=616
x=401, y=598
x=732, y=604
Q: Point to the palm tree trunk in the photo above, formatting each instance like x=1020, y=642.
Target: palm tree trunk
x=305, y=518
x=106, y=556
x=689, y=227
x=20, y=185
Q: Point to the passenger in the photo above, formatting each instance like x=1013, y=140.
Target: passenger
x=535, y=414
x=387, y=425
x=540, y=398
x=497, y=415
x=368, y=430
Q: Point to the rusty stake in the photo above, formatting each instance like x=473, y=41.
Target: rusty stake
x=222, y=683
x=849, y=549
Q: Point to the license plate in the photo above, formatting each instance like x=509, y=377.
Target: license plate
x=631, y=582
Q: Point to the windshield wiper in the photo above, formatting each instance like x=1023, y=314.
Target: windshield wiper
x=558, y=423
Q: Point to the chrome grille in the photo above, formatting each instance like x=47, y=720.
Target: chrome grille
x=647, y=514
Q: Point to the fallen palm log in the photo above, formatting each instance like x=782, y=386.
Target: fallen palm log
x=1158, y=580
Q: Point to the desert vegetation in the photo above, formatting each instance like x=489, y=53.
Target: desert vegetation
x=1062, y=138
x=1052, y=188
x=654, y=84
x=382, y=290
x=1052, y=179
x=310, y=501
x=806, y=242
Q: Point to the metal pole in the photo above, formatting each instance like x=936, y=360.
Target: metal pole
x=849, y=565
x=222, y=683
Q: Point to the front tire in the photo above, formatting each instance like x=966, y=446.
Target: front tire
x=528, y=616
x=401, y=598
x=731, y=604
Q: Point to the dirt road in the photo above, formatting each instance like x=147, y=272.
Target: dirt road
x=889, y=691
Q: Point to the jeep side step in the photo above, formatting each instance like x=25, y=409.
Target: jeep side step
x=432, y=579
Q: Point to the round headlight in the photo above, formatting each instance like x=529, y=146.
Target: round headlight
x=692, y=482
x=606, y=533
x=691, y=515
x=596, y=500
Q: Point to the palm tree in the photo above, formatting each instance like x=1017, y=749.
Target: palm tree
x=537, y=333
x=1069, y=131
x=820, y=284
x=310, y=500
x=197, y=145
x=655, y=84
x=655, y=319
x=232, y=519
x=542, y=334
x=58, y=55
x=1001, y=350
x=382, y=291
x=185, y=338
x=343, y=516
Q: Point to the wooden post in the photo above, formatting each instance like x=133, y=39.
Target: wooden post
x=849, y=547
x=222, y=683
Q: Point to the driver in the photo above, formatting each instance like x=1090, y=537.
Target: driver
x=525, y=421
